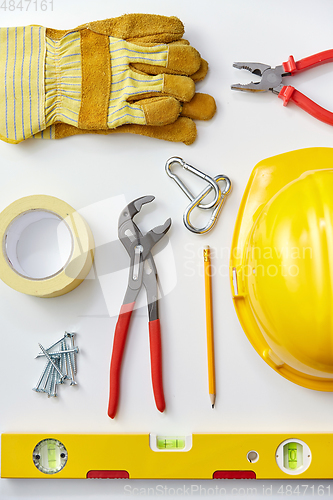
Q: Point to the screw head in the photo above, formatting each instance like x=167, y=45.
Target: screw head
x=69, y=334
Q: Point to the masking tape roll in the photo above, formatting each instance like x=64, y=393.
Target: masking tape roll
x=16, y=218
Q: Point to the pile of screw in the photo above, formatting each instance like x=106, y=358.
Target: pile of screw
x=60, y=365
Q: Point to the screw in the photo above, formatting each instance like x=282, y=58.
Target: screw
x=53, y=387
x=61, y=368
x=37, y=388
x=71, y=336
x=55, y=353
x=49, y=368
x=64, y=359
x=52, y=362
x=58, y=380
x=69, y=363
x=49, y=382
x=53, y=345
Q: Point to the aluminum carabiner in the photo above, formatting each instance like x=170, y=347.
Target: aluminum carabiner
x=217, y=209
x=198, y=173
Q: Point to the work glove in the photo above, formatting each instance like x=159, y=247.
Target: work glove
x=132, y=74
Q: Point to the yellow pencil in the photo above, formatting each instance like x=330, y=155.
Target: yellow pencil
x=209, y=325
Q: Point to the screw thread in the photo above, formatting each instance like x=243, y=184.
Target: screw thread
x=37, y=388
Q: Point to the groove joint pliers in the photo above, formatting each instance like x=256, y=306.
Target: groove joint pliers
x=142, y=272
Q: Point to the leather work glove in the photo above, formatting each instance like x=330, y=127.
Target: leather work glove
x=131, y=74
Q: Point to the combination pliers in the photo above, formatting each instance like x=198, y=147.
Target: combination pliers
x=271, y=79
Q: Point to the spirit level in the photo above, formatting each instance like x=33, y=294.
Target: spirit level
x=144, y=456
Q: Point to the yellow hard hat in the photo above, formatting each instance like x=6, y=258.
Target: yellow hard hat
x=281, y=265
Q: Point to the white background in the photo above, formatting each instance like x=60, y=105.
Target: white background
x=96, y=175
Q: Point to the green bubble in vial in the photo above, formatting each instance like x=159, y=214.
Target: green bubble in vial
x=52, y=455
x=292, y=455
x=170, y=443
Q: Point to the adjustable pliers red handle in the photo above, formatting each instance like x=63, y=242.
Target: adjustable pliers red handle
x=271, y=79
x=119, y=342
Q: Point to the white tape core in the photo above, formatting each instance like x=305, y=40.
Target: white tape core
x=38, y=244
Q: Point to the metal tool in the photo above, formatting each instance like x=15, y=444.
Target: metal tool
x=75, y=351
x=142, y=272
x=51, y=360
x=272, y=80
x=198, y=173
x=219, y=198
x=216, y=211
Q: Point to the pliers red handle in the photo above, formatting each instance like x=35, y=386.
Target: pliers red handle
x=271, y=79
x=142, y=272
x=119, y=342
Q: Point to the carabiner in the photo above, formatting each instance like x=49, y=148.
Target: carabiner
x=217, y=210
x=198, y=173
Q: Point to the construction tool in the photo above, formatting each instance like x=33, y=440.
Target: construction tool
x=142, y=272
x=289, y=456
x=272, y=78
x=196, y=201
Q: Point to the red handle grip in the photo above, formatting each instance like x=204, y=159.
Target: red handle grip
x=290, y=94
x=156, y=363
x=119, y=341
x=291, y=66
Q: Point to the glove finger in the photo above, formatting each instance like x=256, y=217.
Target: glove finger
x=201, y=73
x=182, y=60
x=182, y=130
x=144, y=27
x=201, y=107
x=181, y=88
x=160, y=111
x=147, y=28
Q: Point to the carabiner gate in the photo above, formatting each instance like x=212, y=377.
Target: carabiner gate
x=198, y=173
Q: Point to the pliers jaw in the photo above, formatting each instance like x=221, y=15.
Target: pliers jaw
x=132, y=209
x=154, y=236
x=130, y=235
x=271, y=78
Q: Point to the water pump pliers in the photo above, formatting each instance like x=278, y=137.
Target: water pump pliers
x=142, y=272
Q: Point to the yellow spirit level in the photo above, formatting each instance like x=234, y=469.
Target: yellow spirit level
x=147, y=456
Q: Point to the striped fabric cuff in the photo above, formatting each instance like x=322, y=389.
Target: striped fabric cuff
x=22, y=57
x=63, y=80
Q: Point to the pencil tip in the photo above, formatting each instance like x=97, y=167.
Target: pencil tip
x=213, y=406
